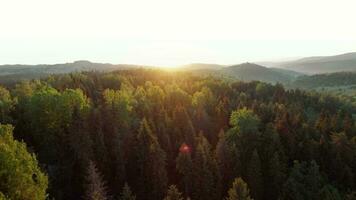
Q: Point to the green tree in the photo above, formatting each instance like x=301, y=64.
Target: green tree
x=184, y=165
x=20, y=176
x=329, y=192
x=151, y=162
x=6, y=105
x=239, y=191
x=224, y=159
x=244, y=121
x=304, y=182
x=254, y=176
x=206, y=175
x=173, y=193
x=276, y=177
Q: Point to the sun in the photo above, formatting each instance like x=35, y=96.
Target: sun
x=170, y=67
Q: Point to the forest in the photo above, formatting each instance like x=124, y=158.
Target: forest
x=146, y=134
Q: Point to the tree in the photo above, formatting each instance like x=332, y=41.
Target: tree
x=239, y=191
x=224, y=160
x=244, y=121
x=173, y=193
x=206, y=175
x=151, y=163
x=20, y=176
x=184, y=165
x=126, y=193
x=329, y=192
x=276, y=177
x=6, y=105
x=254, y=176
x=96, y=189
x=304, y=182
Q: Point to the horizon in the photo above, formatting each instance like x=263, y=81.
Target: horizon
x=248, y=58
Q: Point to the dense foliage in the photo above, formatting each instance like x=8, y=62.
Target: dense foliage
x=20, y=176
x=147, y=134
x=326, y=80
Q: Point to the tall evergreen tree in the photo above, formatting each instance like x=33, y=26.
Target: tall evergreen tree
x=329, y=192
x=126, y=193
x=151, y=161
x=239, y=191
x=96, y=189
x=206, y=176
x=184, y=165
x=304, y=182
x=224, y=158
x=173, y=194
x=254, y=176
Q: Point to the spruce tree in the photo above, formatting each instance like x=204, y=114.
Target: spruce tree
x=184, y=165
x=173, y=193
x=254, y=176
x=126, y=193
x=206, y=176
x=151, y=161
x=239, y=191
x=96, y=189
x=329, y=192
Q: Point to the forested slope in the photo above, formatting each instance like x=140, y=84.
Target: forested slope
x=150, y=134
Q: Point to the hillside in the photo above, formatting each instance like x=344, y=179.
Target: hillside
x=326, y=80
x=254, y=72
x=321, y=64
x=13, y=73
x=200, y=66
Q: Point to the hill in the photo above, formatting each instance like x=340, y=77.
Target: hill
x=321, y=64
x=13, y=73
x=254, y=72
x=326, y=80
x=200, y=66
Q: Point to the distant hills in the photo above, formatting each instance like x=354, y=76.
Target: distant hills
x=337, y=79
x=199, y=66
x=319, y=64
x=82, y=65
x=252, y=72
x=13, y=73
x=271, y=72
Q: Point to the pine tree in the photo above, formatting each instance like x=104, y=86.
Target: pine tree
x=276, y=177
x=254, y=176
x=206, y=176
x=96, y=189
x=151, y=162
x=304, y=182
x=239, y=191
x=329, y=192
x=173, y=193
x=184, y=165
x=126, y=193
x=224, y=161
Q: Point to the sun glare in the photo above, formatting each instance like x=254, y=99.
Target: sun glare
x=170, y=68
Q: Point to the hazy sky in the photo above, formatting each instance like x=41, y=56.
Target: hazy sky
x=173, y=32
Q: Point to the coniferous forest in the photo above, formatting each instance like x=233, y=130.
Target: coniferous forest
x=156, y=135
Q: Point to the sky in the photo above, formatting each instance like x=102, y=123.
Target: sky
x=173, y=32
